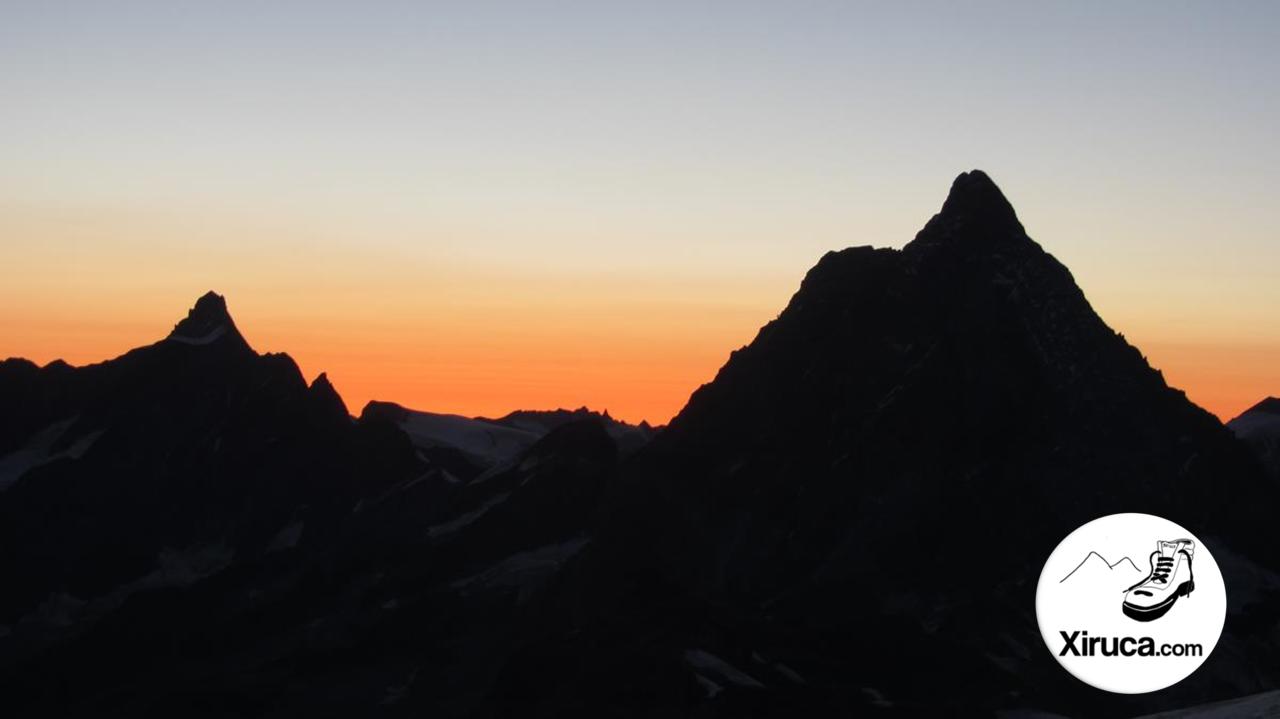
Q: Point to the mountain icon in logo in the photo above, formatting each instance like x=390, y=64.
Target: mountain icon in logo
x=1095, y=567
x=1147, y=598
x=1171, y=577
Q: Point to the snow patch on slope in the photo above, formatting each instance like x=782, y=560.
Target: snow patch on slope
x=287, y=538
x=1266, y=704
x=524, y=568
x=62, y=614
x=205, y=339
x=707, y=663
x=37, y=451
x=466, y=518
x=488, y=442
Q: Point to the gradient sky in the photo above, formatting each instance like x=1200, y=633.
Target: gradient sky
x=476, y=207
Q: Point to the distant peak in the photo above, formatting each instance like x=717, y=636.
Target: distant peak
x=390, y=411
x=206, y=322
x=211, y=302
x=1270, y=405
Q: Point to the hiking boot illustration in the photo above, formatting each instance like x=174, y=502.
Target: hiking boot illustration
x=1170, y=578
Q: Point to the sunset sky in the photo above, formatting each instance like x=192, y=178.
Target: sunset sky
x=478, y=207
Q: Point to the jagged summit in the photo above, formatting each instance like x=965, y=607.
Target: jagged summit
x=206, y=322
x=975, y=191
x=326, y=396
x=975, y=213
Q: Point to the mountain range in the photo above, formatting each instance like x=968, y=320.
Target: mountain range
x=850, y=518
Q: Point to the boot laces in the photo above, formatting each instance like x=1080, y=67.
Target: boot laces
x=1164, y=565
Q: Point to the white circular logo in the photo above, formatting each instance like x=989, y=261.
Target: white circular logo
x=1131, y=603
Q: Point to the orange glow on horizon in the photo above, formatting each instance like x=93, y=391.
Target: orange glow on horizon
x=1226, y=379
x=429, y=326
x=641, y=369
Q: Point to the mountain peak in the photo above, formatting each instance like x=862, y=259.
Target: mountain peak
x=212, y=299
x=975, y=195
x=975, y=212
x=206, y=322
x=974, y=185
x=1270, y=405
x=325, y=396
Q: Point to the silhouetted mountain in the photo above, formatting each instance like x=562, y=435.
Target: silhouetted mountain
x=485, y=443
x=866, y=494
x=194, y=447
x=1259, y=426
x=177, y=522
x=208, y=322
x=629, y=437
x=849, y=519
